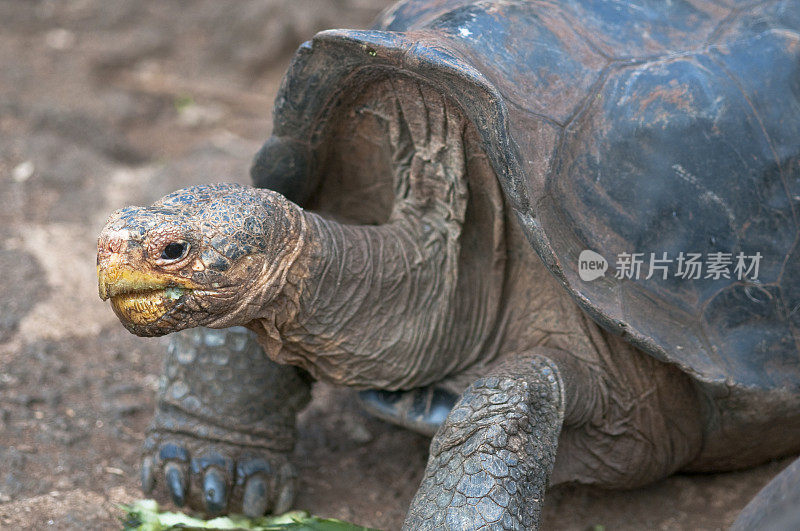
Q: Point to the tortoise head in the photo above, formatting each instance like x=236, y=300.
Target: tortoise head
x=196, y=257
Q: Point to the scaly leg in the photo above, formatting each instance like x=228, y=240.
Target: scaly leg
x=224, y=425
x=490, y=461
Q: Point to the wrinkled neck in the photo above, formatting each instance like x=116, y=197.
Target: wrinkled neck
x=373, y=305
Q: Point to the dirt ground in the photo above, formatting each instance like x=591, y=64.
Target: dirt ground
x=105, y=103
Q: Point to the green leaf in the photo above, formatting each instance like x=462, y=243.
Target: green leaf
x=183, y=102
x=144, y=515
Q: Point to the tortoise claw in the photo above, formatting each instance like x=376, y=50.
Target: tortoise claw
x=285, y=498
x=148, y=479
x=215, y=491
x=256, y=473
x=255, y=500
x=176, y=483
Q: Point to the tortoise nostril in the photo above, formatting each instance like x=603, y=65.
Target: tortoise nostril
x=174, y=250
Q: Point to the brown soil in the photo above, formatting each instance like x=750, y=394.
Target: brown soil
x=105, y=103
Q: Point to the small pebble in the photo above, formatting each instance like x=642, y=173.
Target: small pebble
x=23, y=171
x=59, y=39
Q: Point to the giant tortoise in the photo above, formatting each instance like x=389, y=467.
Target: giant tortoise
x=562, y=238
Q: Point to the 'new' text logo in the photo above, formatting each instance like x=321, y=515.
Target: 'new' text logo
x=591, y=265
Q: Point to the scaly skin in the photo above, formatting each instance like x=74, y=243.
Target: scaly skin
x=418, y=299
x=319, y=294
x=491, y=458
x=322, y=296
x=237, y=249
x=224, y=426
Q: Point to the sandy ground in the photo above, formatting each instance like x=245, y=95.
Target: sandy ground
x=105, y=103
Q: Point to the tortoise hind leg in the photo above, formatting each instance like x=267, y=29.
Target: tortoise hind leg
x=422, y=410
x=490, y=461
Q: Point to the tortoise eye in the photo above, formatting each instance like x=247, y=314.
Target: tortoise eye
x=174, y=251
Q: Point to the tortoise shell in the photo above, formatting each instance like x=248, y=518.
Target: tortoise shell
x=646, y=132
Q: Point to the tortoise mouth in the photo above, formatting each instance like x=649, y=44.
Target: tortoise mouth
x=144, y=307
x=140, y=297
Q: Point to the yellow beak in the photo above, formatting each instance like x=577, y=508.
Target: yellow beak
x=115, y=277
x=137, y=297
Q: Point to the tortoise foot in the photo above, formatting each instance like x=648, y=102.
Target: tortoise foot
x=422, y=410
x=224, y=426
x=217, y=478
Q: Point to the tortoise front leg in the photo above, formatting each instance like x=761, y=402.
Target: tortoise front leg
x=490, y=461
x=224, y=425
